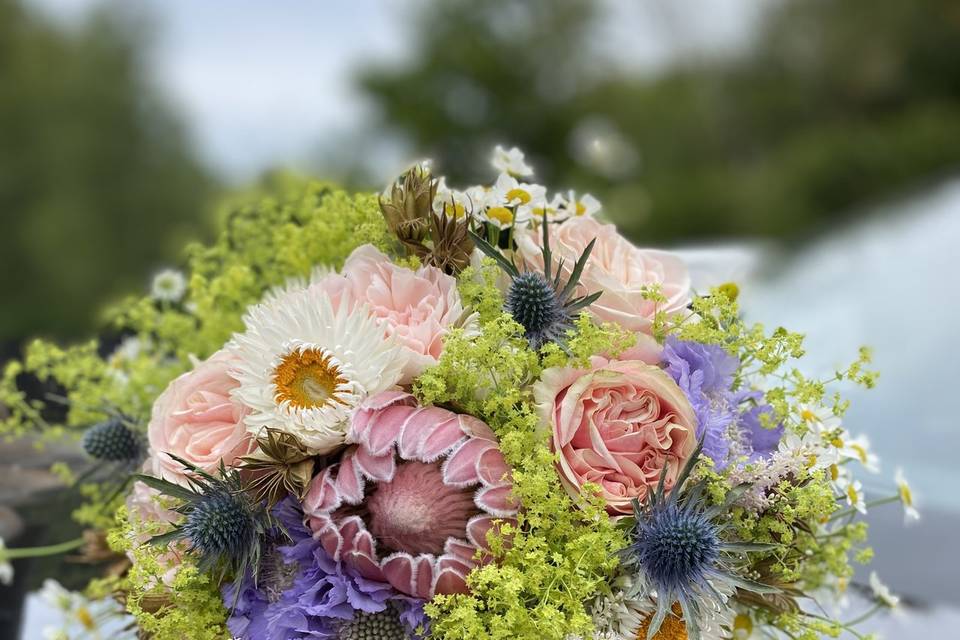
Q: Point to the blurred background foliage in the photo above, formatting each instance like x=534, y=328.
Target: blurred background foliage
x=834, y=105
x=98, y=183
x=831, y=107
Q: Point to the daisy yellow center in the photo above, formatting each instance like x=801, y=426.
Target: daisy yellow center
x=84, y=617
x=455, y=209
x=673, y=627
x=837, y=442
x=834, y=472
x=519, y=194
x=500, y=214
x=308, y=379
x=853, y=494
x=808, y=415
x=742, y=626
x=861, y=452
x=581, y=209
x=906, y=496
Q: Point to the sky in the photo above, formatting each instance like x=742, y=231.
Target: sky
x=265, y=84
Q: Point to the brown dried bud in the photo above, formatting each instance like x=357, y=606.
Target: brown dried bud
x=409, y=207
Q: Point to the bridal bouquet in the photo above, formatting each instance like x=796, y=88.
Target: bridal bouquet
x=441, y=413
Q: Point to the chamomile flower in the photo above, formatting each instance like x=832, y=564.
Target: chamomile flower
x=882, y=592
x=910, y=513
x=852, y=492
x=819, y=419
x=168, y=285
x=6, y=569
x=858, y=448
x=510, y=161
x=82, y=617
x=571, y=206
x=511, y=202
x=450, y=202
x=303, y=365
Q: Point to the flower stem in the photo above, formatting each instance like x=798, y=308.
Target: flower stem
x=37, y=552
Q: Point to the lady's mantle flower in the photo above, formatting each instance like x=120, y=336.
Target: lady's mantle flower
x=168, y=286
x=304, y=365
x=910, y=513
x=680, y=549
x=510, y=161
x=412, y=501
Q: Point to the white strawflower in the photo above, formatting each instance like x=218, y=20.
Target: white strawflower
x=303, y=366
x=169, y=286
x=510, y=161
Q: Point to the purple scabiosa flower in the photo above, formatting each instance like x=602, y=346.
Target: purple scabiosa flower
x=728, y=421
x=302, y=593
x=760, y=440
x=705, y=373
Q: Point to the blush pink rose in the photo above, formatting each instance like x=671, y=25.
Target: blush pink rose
x=196, y=419
x=616, y=426
x=417, y=308
x=617, y=268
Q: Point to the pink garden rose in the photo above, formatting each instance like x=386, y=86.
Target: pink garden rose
x=417, y=308
x=617, y=268
x=196, y=419
x=616, y=426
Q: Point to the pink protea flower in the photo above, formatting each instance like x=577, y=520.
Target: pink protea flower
x=413, y=497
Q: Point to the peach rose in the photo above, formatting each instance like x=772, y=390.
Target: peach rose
x=196, y=419
x=617, y=268
x=616, y=426
x=417, y=308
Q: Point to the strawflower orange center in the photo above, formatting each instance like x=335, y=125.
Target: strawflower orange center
x=308, y=379
x=673, y=627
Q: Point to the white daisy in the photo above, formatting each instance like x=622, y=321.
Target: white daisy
x=451, y=202
x=168, y=285
x=511, y=202
x=910, y=513
x=571, y=206
x=6, y=569
x=882, y=592
x=858, y=448
x=304, y=366
x=853, y=492
x=819, y=419
x=510, y=161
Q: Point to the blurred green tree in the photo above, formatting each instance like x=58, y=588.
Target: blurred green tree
x=834, y=105
x=98, y=185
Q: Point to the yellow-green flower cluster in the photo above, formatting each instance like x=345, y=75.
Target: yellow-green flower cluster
x=560, y=554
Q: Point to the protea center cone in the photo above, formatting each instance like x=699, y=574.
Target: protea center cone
x=414, y=496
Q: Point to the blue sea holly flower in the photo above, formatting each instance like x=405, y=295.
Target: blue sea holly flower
x=542, y=303
x=682, y=550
